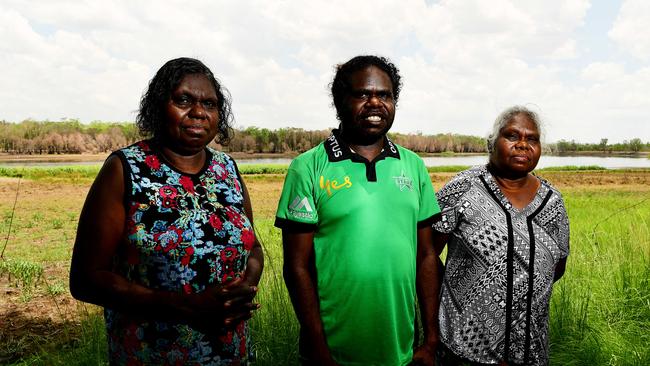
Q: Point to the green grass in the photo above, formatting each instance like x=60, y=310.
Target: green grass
x=73, y=173
x=600, y=313
x=600, y=310
x=85, y=174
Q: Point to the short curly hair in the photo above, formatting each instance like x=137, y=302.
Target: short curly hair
x=340, y=86
x=151, y=115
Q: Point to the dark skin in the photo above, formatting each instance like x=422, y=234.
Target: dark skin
x=369, y=111
x=514, y=156
x=191, y=125
x=368, y=115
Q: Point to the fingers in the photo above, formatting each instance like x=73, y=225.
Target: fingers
x=234, y=319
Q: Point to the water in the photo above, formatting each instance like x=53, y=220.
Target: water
x=544, y=162
x=549, y=161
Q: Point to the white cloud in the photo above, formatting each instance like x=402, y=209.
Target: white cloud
x=630, y=29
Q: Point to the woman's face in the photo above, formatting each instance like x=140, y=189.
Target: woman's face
x=192, y=115
x=518, y=147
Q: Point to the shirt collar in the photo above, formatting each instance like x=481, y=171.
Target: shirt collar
x=338, y=150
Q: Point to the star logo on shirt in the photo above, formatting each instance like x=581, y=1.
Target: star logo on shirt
x=403, y=182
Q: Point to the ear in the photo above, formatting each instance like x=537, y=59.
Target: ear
x=489, y=146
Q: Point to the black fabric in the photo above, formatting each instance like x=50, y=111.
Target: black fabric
x=294, y=226
x=338, y=150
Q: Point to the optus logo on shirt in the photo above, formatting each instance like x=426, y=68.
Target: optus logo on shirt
x=334, y=184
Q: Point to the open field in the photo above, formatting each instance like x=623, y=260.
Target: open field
x=600, y=311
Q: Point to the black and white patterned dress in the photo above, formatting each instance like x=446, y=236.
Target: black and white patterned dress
x=487, y=312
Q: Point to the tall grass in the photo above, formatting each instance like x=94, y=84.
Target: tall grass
x=600, y=311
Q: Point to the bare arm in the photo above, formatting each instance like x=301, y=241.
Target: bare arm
x=428, y=289
x=99, y=235
x=300, y=277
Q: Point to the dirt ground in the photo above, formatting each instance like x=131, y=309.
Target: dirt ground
x=43, y=232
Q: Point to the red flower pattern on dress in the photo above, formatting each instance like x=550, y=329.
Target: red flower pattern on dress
x=229, y=254
x=234, y=217
x=248, y=239
x=189, y=251
x=187, y=184
x=152, y=162
x=215, y=222
x=168, y=194
x=168, y=240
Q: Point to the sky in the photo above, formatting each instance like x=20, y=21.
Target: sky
x=583, y=65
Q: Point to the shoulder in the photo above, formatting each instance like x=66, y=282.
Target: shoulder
x=556, y=198
x=311, y=157
x=139, y=146
x=548, y=185
x=469, y=176
x=220, y=156
x=405, y=153
x=460, y=184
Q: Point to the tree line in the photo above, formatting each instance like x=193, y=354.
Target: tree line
x=73, y=137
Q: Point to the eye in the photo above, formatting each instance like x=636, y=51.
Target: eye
x=210, y=104
x=385, y=95
x=182, y=100
x=361, y=94
x=511, y=136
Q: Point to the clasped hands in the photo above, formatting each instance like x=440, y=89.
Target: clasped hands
x=224, y=305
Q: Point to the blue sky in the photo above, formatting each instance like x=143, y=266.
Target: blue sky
x=584, y=65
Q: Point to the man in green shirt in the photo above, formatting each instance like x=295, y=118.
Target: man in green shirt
x=355, y=214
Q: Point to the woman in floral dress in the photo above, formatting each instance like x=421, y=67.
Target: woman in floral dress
x=165, y=241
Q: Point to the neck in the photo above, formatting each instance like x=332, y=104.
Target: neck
x=187, y=163
x=369, y=150
x=509, y=180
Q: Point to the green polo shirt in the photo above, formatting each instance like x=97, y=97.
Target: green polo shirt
x=365, y=217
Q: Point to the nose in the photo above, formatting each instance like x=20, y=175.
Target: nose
x=374, y=99
x=198, y=111
x=522, y=144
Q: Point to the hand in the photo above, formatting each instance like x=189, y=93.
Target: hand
x=424, y=355
x=239, y=305
x=221, y=306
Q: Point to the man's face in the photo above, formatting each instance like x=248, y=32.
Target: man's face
x=369, y=108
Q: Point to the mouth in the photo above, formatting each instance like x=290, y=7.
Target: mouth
x=521, y=158
x=194, y=130
x=373, y=117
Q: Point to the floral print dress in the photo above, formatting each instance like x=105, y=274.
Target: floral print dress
x=183, y=233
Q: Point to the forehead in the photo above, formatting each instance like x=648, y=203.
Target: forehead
x=370, y=77
x=521, y=121
x=196, y=82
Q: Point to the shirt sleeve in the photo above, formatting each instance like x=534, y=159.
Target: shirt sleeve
x=449, y=198
x=563, y=237
x=297, y=208
x=428, y=204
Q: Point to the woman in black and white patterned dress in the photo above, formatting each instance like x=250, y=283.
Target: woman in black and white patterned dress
x=507, y=233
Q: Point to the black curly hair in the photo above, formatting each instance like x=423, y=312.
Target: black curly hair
x=151, y=119
x=340, y=86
